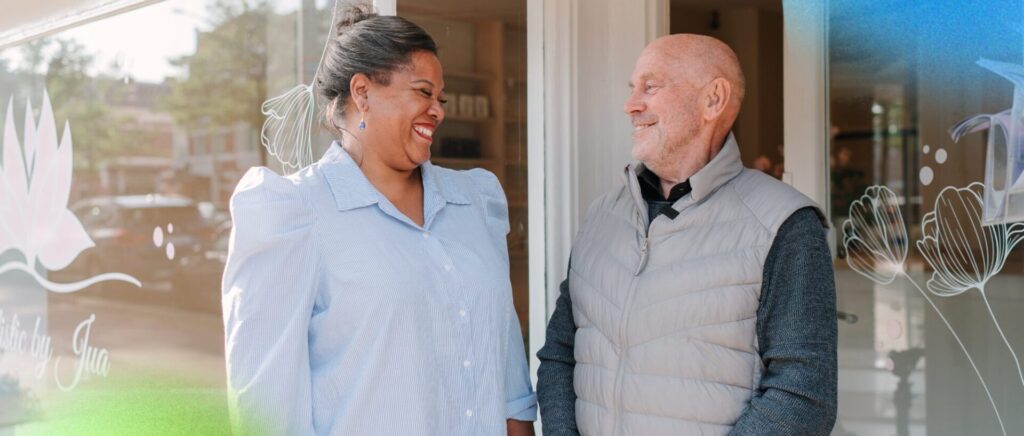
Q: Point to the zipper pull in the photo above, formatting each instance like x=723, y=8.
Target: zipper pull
x=644, y=254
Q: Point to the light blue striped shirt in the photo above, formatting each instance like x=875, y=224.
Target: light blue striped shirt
x=344, y=317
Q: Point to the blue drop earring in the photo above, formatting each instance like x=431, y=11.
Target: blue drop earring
x=362, y=123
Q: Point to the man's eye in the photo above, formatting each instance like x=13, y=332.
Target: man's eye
x=426, y=93
x=443, y=100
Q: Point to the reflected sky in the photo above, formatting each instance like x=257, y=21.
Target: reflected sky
x=943, y=31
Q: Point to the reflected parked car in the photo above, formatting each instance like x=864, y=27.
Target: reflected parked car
x=139, y=235
x=197, y=280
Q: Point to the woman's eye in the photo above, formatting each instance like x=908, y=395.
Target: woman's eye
x=443, y=100
x=426, y=93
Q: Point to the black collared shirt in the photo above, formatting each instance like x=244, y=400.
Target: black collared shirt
x=657, y=204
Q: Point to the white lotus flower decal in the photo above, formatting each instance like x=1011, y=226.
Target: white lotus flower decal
x=963, y=253
x=876, y=244
x=875, y=236
x=35, y=183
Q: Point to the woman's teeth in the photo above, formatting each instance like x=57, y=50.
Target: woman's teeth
x=429, y=133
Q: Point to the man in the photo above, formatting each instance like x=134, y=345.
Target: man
x=700, y=297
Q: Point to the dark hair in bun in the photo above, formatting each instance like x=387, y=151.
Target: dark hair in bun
x=364, y=42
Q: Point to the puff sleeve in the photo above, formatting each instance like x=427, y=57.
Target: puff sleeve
x=268, y=294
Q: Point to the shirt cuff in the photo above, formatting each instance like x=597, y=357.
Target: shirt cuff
x=522, y=409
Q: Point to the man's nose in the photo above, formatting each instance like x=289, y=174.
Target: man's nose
x=633, y=104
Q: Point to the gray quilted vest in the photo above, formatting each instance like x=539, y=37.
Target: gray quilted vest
x=666, y=341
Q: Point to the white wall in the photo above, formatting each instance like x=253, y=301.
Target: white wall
x=805, y=99
x=612, y=35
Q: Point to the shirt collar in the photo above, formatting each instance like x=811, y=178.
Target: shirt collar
x=650, y=186
x=351, y=189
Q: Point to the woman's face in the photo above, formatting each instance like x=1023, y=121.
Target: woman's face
x=401, y=117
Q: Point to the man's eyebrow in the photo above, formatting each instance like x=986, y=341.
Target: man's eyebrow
x=423, y=81
x=643, y=77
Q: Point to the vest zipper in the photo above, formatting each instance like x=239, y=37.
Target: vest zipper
x=620, y=371
x=644, y=251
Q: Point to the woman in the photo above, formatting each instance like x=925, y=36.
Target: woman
x=369, y=292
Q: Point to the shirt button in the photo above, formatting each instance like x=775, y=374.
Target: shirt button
x=426, y=235
x=466, y=363
x=447, y=267
x=469, y=413
x=462, y=313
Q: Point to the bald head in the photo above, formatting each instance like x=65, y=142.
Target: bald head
x=686, y=95
x=701, y=59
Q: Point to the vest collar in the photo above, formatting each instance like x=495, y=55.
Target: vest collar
x=722, y=168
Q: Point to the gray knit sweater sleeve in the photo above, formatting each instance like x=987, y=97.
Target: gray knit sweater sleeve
x=796, y=333
x=555, y=392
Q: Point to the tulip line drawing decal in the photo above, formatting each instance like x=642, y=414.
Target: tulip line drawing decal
x=35, y=184
x=287, y=131
x=963, y=253
x=875, y=238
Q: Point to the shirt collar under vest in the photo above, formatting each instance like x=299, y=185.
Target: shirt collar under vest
x=722, y=168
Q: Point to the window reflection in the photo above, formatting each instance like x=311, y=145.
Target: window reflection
x=163, y=108
x=899, y=80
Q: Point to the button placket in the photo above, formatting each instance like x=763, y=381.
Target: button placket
x=450, y=284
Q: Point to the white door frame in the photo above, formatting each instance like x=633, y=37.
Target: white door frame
x=805, y=98
x=386, y=7
x=805, y=102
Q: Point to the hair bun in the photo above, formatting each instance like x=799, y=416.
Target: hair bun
x=352, y=13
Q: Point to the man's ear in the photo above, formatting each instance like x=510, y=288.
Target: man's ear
x=716, y=98
x=359, y=87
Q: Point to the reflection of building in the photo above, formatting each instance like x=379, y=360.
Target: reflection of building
x=213, y=160
x=145, y=165
x=131, y=175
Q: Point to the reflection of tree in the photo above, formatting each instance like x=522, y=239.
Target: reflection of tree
x=225, y=79
x=63, y=67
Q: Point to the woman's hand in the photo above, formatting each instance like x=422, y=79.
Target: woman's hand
x=520, y=428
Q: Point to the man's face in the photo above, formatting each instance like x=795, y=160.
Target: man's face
x=664, y=108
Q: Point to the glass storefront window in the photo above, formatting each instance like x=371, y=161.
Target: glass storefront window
x=122, y=141
x=922, y=193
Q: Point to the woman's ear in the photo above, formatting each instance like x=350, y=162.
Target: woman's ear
x=716, y=98
x=359, y=87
